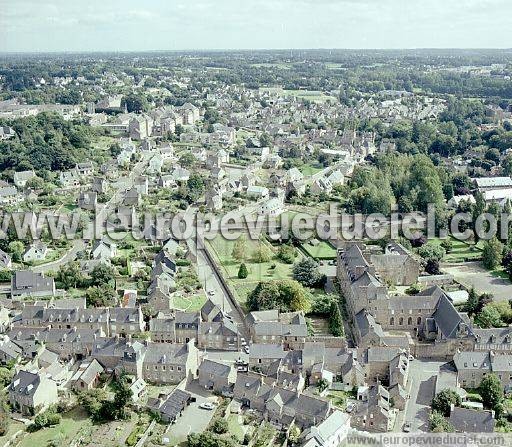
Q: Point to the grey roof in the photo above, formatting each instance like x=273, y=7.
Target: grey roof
x=166, y=353
x=267, y=351
x=26, y=280
x=25, y=383
x=366, y=324
x=466, y=420
x=215, y=368
x=447, y=319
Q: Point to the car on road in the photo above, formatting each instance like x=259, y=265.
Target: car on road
x=246, y=349
x=411, y=357
x=407, y=427
x=351, y=407
x=206, y=406
x=243, y=342
x=211, y=292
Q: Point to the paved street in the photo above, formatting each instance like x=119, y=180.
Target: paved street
x=472, y=274
x=422, y=376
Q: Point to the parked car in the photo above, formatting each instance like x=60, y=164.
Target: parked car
x=407, y=427
x=242, y=341
x=206, y=406
x=211, y=292
x=246, y=349
x=411, y=357
x=351, y=407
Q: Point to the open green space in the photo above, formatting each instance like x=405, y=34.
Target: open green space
x=59, y=435
x=323, y=250
x=461, y=251
x=222, y=250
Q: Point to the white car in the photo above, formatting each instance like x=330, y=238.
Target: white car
x=242, y=341
x=211, y=292
x=206, y=406
x=350, y=407
x=246, y=349
x=411, y=357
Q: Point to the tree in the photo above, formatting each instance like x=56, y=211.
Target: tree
x=432, y=267
x=284, y=294
x=208, y=439
x=439, y=424
x=16, y=248
x=306, y=272
x=431, y=251
x=239, y=249
x=187, y=160
x=101, y=296
x=492, y=253
x=103, y=274
x=489, y=317
x=287, y=253
x=70, y=276
x=219, y=426
x=443, y=401
x=135, y=103
x=262, y=254
x=5, y=376
x=322, y=385
x=92, y=402
x=491, y=391
x=242, y=271
x=335, y=320
x=195, y=187
x=447, y=244
x=471, y=305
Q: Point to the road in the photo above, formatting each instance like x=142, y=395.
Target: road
x=421, y=387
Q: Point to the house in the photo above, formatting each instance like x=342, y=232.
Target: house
x=490, y=183
x=170, y=363
x=373, y=411
x=9, y=195
x=131, y=197
x=473, y=366
x=99, y=185
x=321, y=185
x=170, y=407
x=84, y=169
x=271, y=208
x=69, y=179
x=104, y=249
x=6, y=132
x=9, y=351
x=87, y=376
x=455, y=201
x=467, y=420
x=125, y=321
x=88, y=200
x=5, y=260
x=274, y=327
x=35, y=252
x=166, y=181
x=336, y=178
x=30, y=393
x=216, y=376
x=259, y=192
x=330, y=433
x=21, y=178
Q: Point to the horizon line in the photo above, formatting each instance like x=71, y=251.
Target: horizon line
x=216, y=50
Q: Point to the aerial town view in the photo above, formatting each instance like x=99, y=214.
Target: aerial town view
x=259, y=223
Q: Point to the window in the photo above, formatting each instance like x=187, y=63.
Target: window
x=392, y=321
x=409, y=321
x=401, y=321
x=418, y=320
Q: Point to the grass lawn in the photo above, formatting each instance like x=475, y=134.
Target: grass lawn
x=461, y=251
x=61, y=434
x=308, y=170
x=338, y=398
x=323, y=250
x=222, y=250
x=234, y=427
x=190, y=303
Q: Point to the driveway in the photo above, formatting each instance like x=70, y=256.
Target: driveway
x=193, y=419
x=472, y=274
x=421, y=387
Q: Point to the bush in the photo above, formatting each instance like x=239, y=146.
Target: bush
x=219, y=426
x=243, y=272
x=287, y=254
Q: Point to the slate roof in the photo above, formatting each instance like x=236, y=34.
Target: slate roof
x=466, y=420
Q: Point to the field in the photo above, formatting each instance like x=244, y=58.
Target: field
x=222, y=250
x=323, y=250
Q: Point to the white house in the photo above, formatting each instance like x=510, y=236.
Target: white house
x=330, y=433
x=104, y=250
x=259, y=192
x=272, y=207
x=21, y=178
x=35, y=252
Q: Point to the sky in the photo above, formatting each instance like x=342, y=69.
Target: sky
x=137, y=25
